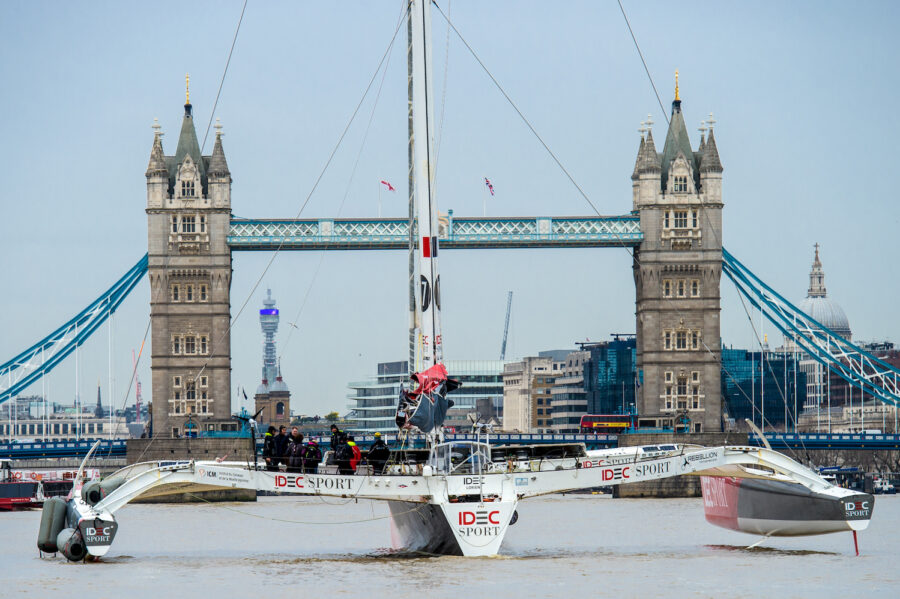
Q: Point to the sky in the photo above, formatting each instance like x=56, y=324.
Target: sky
x=804, y=96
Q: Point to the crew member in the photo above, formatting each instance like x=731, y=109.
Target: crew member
x=281, y=442
x=342, y=455
x=356, y=454
x=312, y=455
x=269, y=449
x=295, y=450
x=378, y=454
x=336, y=436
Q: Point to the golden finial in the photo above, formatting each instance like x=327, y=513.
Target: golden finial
x=187, y=88
x=676, y=85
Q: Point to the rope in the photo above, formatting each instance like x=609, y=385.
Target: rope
x=225, y=72
x=311, y=191
x=302, y=522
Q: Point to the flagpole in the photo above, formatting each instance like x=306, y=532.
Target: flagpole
x=379, y=199
x=484, y=203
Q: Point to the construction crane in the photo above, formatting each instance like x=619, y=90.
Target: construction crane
x=506, y=326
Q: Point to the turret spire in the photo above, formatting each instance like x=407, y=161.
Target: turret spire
x=677, y=98
x=187, y=88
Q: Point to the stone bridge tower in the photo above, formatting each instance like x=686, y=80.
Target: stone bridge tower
x=677, y=269
x=188, y=217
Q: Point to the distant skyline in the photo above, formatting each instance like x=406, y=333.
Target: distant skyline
x=802, y=92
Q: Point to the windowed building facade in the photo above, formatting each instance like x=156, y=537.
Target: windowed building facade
x=768, y=388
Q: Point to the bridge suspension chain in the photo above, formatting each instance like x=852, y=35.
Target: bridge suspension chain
x=849, y=361
x=28, y=366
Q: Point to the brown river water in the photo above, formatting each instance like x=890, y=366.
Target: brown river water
x=560, y=547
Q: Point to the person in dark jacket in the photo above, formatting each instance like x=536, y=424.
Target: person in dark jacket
x=378, y=454
x=312, y=455
x=269, y=449
x=343, y=455
x=294, y=451
x=337, y=435
x=281, y=442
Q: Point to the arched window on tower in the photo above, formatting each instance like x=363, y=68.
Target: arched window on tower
x=279, y=409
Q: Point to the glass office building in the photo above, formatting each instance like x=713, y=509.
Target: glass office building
x=374, y=401
x=776, y=401
x=609, y=376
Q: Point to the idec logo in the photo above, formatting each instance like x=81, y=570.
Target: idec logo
x=288, y=482
x=479, y=517
x=856, y=509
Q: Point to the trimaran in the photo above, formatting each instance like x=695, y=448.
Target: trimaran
x=460, y=497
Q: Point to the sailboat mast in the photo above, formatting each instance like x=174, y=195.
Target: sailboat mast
x=413, y=366
x=428, y=296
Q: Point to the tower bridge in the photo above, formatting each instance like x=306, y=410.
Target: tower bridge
x=674, y=230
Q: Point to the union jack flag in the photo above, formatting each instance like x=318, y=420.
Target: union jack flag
x=490, y=186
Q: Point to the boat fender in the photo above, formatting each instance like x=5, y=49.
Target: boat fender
x=71, y=545
x=515, y=517
x=95, y=491
x=53, y=520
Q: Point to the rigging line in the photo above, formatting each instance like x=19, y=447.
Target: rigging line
x=294, y=325
x=309, y=196
x=644, y=62
x=288, y=521
x=703, y=202
x=225, y=72
x=516, y=108
x=761, y=382
x=440, y=131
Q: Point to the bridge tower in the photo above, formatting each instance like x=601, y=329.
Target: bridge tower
x=188, y=216
x=677, y=269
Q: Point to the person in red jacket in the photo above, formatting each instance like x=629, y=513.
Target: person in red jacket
x=357, y=454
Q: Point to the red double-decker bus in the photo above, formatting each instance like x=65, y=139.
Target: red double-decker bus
x=607, y=423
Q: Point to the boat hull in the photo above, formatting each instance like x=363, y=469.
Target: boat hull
x=468, y=529
x=421, y=528
x=775, y=508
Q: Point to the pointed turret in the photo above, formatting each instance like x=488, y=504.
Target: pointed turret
x=218, y=166
x=157, y=172
x=648, y=160
x=98, y=411
x=637, y=161
x=187, y=139
x=157, y=164
x=711, y=162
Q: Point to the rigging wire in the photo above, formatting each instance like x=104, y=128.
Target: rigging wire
x=160, y=288
x=311, y=191
x=644, y=62
x=558, y=162
x=516, y=108
x=294, y=324
x=225, y=72
x=715, y=233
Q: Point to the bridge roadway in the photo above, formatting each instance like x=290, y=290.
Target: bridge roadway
x=460, y=233
x=117, y=448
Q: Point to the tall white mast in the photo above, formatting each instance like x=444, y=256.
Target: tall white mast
x=428, y=296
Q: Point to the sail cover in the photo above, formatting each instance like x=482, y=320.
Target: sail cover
x=426, y=406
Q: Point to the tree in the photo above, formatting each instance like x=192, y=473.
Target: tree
x=332, y=416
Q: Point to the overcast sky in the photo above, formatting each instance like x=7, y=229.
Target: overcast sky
x=804, y=94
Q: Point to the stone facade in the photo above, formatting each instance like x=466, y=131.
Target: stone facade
x=188, y=217
x=677, y=269
x=526, y=395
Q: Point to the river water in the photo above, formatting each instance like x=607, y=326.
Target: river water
x=596, y=547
